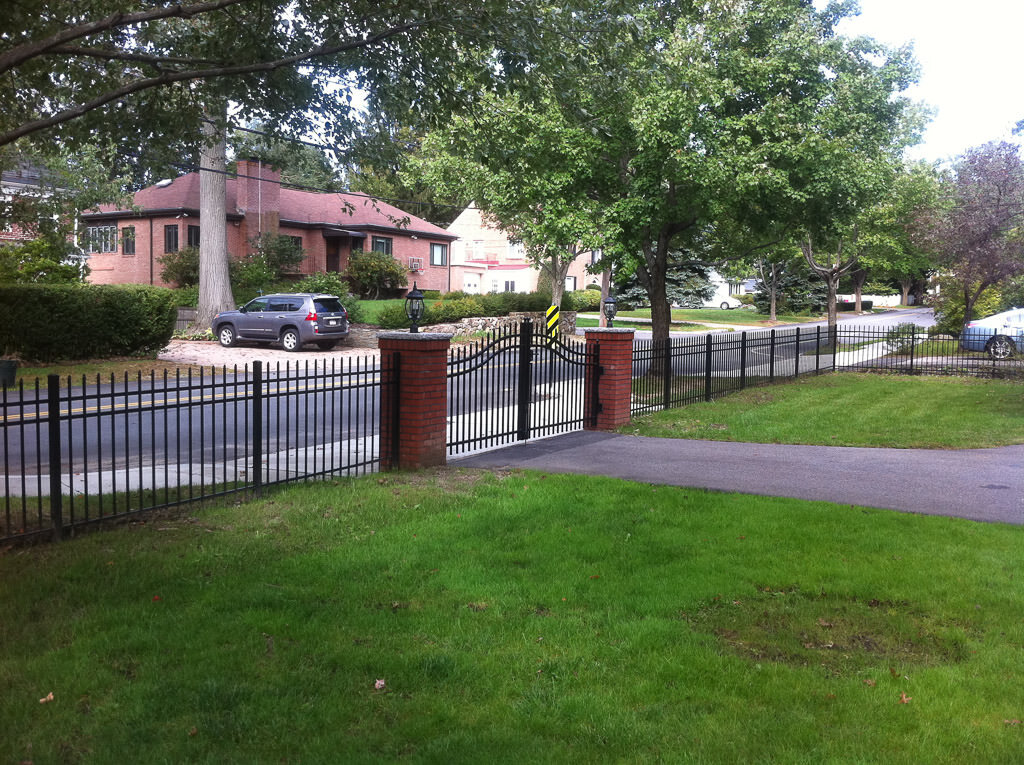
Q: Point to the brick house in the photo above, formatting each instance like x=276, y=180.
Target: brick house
x=484, y=260
x=124, y=246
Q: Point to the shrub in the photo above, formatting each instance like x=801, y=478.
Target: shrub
x=901, y=338
x=40, y=261
x=330, y=283
x=447, y=311
x=456, y=295
x=187, y=296
x=278, y=252
x=95, y=321
x=180, y=268
x=431, y=294
x=393, y=317
x=581, y=300
x=373, y=273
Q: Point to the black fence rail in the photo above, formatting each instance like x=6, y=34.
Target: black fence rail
x=704, y=367
x=906, y=349
x=80, y=452
x=517, y=384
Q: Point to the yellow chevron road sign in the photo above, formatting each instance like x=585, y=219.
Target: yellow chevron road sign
x=552, y=318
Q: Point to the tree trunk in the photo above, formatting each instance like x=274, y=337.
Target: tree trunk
x=859, y=277
x=606, y=284
x=905, y=285
x=214, y=276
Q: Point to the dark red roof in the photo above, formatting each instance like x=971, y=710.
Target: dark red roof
x=305, y=208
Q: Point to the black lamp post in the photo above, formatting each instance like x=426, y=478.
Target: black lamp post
x=414, y=308
x=610, y=307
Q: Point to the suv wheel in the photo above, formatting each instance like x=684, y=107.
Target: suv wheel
x=1000, y=347
x=226, y=335
x=290, y=340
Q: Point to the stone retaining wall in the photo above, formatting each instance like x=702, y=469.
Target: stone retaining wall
x=488, y=323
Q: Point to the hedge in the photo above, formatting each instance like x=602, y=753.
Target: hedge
x=84, y=321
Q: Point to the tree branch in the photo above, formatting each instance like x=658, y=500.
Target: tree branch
x=112, y=54
x=22, y=53
x=168, y=78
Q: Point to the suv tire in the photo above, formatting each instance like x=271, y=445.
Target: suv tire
x=226, y=335
x=290, y=340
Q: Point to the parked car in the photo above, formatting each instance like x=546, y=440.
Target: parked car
x=291, y=319
x=1001, y=335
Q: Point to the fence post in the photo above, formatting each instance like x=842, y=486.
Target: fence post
x=53, y=432
x=796, y=355
x=771, y=357
x=707, y=368
x=413, y=421
x=817, y=350
x=257, y=425
x=613, y=380
x=524, y=387
x=743, y=360
x=666, y=375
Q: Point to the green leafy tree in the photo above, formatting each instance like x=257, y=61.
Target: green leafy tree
x=373, y=274
x=41, y=261
x=531, y=173
x=717, y=123
x=163, y=75
x=976, y=230
x=687, y=284
x=300, y=164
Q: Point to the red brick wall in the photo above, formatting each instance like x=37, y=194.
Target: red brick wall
x=418, y=365
x=614, y=386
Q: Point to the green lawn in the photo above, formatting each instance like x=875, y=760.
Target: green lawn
x=855, y=410
x=516, y=618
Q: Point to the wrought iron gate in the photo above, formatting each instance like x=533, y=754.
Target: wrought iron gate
x=519, y=384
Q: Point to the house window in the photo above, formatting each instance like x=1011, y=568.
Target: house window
x=128, y=240
x=570, y=283
x=510, y=286
x=382, y=244
x=595, y=256
x=439, y=254
x=101, y=239
x=193, y=236
x=297, y=241
x=171, y=238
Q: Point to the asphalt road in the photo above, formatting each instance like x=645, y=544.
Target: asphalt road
x=977, y=484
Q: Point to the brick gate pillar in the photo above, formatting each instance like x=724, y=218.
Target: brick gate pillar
x=615, y=384
x=414, y=399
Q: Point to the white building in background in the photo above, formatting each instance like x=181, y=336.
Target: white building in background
x=484, y=260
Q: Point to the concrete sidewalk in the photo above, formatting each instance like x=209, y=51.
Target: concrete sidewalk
x=977, y=484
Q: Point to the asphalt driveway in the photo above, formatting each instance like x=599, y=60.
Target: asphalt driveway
x=977, y=484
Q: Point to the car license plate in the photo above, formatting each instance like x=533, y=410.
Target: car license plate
x=332, y=322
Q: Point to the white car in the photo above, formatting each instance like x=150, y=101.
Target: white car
x=1000, y=335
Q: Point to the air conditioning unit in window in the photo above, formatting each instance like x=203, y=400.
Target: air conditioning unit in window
x=415, y=264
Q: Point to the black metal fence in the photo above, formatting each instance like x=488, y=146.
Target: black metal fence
x=518, y=384
x=703, y=367
x=76, y=453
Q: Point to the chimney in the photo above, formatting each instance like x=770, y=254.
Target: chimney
x=258, y=197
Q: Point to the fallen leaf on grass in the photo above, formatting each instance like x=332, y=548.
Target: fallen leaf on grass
x=1011, y=722
x=47, y=698
x=904, y=698
x=379, y=685
x=870, y=682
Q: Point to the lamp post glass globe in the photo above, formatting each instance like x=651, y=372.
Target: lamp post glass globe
x=610, y=307
x=414, y=308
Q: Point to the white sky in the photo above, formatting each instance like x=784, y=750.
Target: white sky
x=971, y=54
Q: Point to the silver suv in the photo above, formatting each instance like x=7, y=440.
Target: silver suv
x=291, y=319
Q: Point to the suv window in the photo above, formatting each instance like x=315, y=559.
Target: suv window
x=256, y=306
x=286, y=305
x=328, y=305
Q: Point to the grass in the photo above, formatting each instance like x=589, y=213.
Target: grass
x=511, y=622
x=855, y=410
x=371, y=308
x=619, y=324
